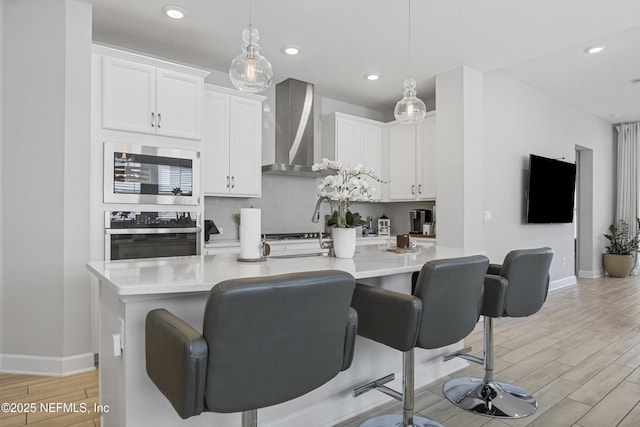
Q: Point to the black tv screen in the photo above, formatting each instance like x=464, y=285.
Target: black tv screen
x=551, y=190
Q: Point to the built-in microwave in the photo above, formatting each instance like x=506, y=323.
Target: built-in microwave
x=155, y=175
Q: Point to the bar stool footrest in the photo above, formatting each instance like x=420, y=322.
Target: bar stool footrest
x=463, y=354
x=490, y=398
x=378, y=385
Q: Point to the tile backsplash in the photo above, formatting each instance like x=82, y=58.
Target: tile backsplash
x=287, y=205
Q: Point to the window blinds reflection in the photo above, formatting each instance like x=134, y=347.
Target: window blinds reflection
x=155, y=175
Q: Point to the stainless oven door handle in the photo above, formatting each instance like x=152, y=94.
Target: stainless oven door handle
x=152, y=230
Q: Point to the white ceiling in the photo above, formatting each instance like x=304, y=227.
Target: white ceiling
x=540, y=42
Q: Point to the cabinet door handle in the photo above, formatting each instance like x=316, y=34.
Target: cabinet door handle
x=419, y=188
x=159, y=120
x=227, y=181
x=413, y=189
x=233, y=182
x=153, y=119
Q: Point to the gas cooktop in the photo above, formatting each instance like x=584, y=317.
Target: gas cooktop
x=292, y=236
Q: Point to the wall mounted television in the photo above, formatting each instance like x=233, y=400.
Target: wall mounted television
x=551, y=191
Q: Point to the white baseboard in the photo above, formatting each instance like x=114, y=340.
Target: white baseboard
x=587, y=274
x=562, y=283
x=46, y=365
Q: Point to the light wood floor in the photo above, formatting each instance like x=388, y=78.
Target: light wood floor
x=579, y=356
x=40, y=401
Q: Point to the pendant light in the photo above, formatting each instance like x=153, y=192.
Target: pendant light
x=410, y=109
x=250, y=71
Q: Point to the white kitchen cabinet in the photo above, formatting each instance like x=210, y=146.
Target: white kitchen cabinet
x=352, y=140
x=232, y=143
x=426, y=170
x=140, y=95
x=402, y=162
x=412, y=161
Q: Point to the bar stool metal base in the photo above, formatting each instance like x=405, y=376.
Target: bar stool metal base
x=490, y=398
x=396, y=420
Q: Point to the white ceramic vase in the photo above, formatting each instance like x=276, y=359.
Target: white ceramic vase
x=344, y=242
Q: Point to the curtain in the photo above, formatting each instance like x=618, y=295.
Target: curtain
x=628, y=177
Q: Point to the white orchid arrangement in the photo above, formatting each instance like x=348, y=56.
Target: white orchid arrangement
x=348, y=184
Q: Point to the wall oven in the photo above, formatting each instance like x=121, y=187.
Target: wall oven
x=131, y=235
x=155, y=175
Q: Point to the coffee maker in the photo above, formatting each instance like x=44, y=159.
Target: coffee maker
x=417, y=218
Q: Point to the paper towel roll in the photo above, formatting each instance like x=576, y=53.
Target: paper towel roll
x=250, y=227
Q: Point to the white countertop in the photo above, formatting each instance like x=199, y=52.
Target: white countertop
x=201, y=272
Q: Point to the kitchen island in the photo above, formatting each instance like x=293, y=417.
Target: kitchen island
x=130, y=289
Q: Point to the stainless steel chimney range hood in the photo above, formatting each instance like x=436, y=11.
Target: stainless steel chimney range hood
x=294, y=130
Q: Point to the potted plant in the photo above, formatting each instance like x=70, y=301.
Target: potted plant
x=619, y=259
x=345, y=186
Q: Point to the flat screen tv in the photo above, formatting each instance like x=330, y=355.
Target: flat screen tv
x=551, y=191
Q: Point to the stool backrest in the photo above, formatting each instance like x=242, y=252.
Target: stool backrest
x=451, y=293
x=274, y=338
x=527, y=271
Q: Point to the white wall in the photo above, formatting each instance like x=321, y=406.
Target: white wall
x=77, y=191
x=459, y=153
x=519, y=120
x=46, y=144
x=1, y=175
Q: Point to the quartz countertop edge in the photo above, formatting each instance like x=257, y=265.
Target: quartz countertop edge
x=199, y=273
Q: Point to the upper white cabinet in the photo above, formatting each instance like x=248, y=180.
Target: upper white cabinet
x=352, y=140
x=232, y=143
x=427, y=154
x=412, y=161
x=402, y=162
x=145, y=95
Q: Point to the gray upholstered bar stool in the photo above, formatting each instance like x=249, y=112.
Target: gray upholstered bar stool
x=265, y=340
x=444, y=308
x=518, y=288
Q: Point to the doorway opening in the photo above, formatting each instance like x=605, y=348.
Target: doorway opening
x=583, y=224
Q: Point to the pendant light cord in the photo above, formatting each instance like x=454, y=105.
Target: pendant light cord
x=250, y=22
x=409, y=38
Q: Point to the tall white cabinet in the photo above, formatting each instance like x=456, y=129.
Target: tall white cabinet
x=232, y=143
x=412, y=160
x=402, y=162
x=352, y=140
x=426, y=151
x=145, y=95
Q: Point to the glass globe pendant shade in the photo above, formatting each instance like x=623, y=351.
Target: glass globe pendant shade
x=410, y=109
x=250, y=71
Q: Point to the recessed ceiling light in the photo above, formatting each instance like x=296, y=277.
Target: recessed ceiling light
x=172, y=11
x=614, y=115
x=372, y=76
x=291, y=49
x=595, y=49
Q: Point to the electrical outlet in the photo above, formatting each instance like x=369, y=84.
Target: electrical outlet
x=564, y=261
x=488, y=215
